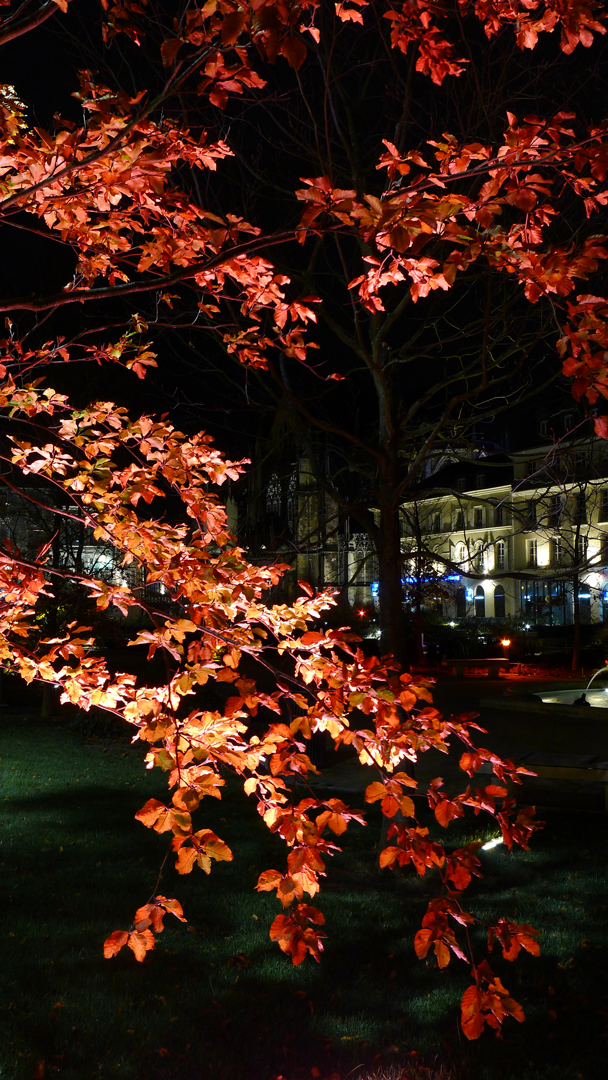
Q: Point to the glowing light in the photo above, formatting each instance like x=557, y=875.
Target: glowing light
x=543, y=554
x=414, y=580
x=492, y=843
x=506, y=642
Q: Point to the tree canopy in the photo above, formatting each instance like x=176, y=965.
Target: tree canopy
x=381, y=232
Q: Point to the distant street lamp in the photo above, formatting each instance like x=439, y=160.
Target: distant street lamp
x=505, y=644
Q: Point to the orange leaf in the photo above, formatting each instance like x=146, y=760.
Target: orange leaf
x=446, y=811
x=442, y=953
x=268, y=880
x=374, y=791
x=114, y=943
x=390, y=805
x=150, y=813
x=186, y=859
x=172, y=906
x=186, y=799
x=388, y=856
x=141, y=943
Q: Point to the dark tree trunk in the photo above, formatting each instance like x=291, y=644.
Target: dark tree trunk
x=576, y=619
x=418, y=621
x=390, y=592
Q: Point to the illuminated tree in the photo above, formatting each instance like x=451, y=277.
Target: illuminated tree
x=122, y=190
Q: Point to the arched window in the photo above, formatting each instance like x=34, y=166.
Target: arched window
x=480, y=602
x=461, y=556
x=480, y=557
x=461, y=603
x=500, y=560
x=499, y=602
x=273, y=495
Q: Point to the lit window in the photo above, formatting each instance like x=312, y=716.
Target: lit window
x=501, y=555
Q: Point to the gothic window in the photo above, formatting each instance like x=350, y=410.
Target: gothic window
x=273, y=495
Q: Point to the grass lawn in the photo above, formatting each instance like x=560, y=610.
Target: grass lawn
x=217, y=999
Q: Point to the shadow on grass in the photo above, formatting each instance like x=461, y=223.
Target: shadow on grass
x=217, y=998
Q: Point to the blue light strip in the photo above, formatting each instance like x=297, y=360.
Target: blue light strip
x=414, y=580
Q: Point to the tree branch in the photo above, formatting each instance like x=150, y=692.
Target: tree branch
x=30, y=22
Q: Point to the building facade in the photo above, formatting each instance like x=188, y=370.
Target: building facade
x=521, y=538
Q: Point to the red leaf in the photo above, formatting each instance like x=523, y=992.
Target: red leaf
x=471, y=1017
x=232, y=26
x=294, y=50
x=422, y=943
x=168, y=50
